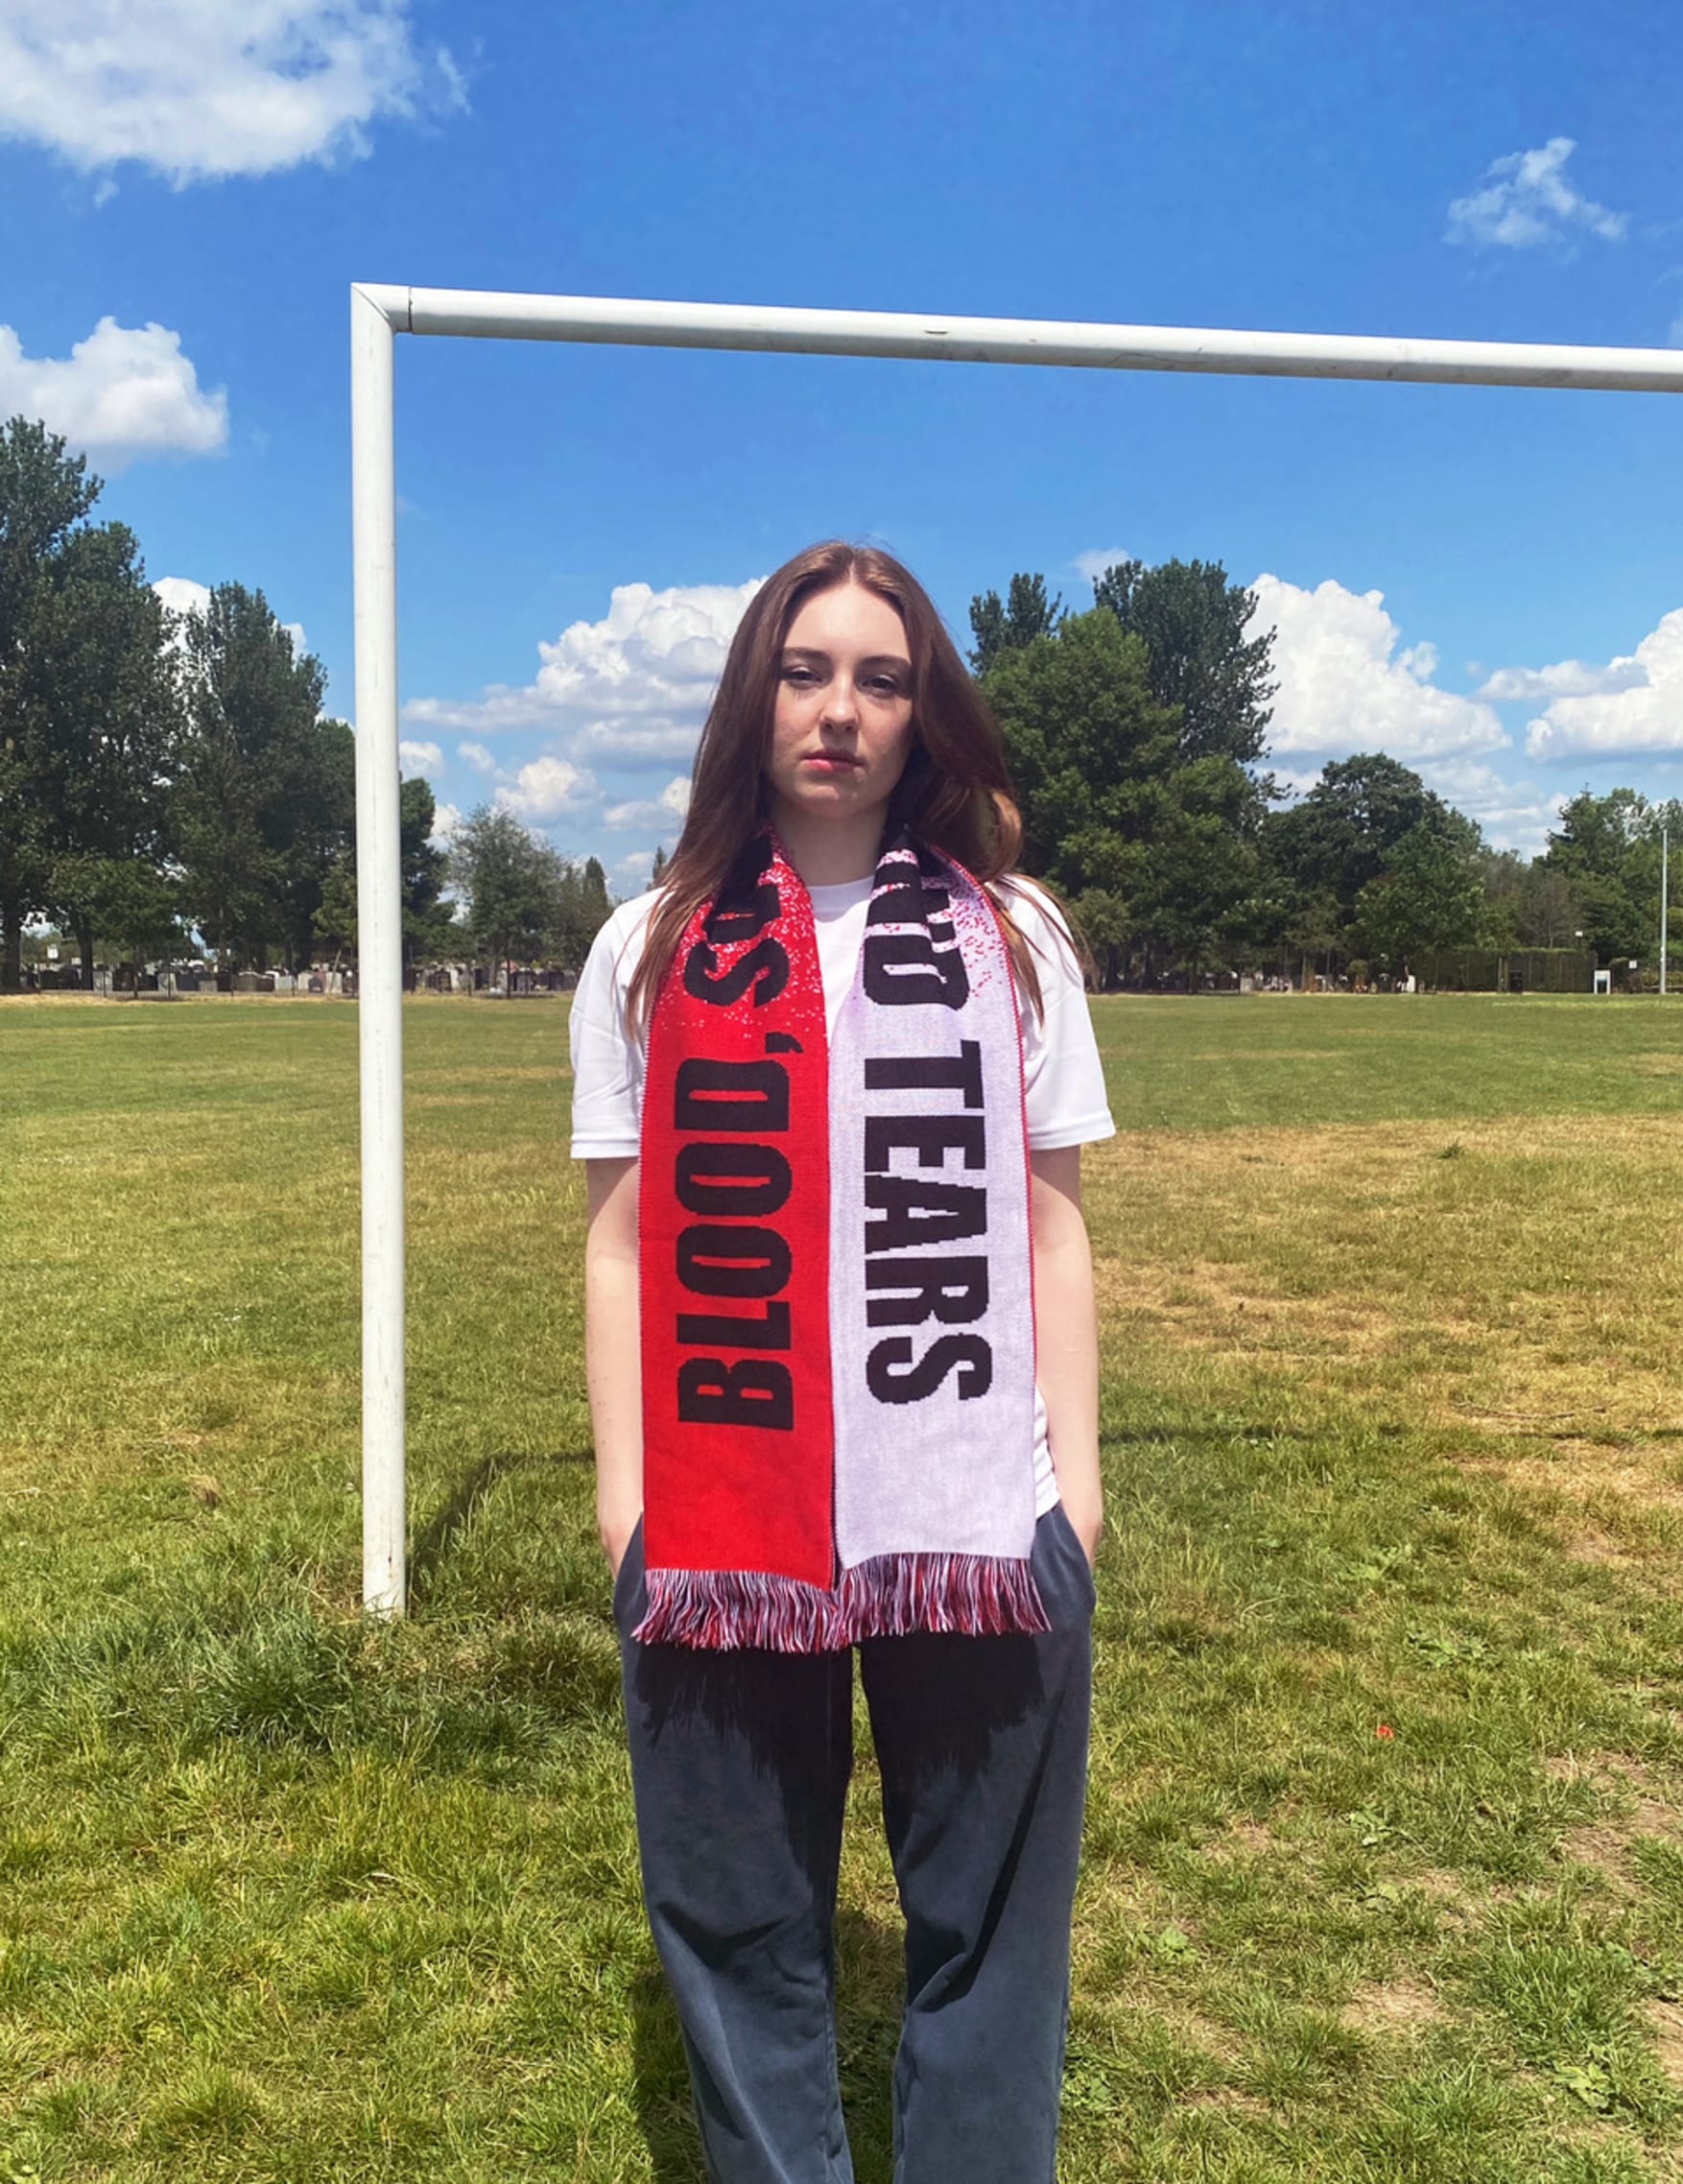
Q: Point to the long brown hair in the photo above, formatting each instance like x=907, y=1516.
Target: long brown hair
x=954, y=793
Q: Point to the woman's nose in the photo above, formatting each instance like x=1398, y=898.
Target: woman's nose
x=840, y=705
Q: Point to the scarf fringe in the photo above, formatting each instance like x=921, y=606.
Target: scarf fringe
x=891, y=1596
x=724, y=1609
x=980, y=1595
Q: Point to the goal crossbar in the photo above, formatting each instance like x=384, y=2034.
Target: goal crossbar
x=379, y=313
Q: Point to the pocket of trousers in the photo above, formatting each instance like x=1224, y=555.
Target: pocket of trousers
x=1061, y=1534
x=627, y=1585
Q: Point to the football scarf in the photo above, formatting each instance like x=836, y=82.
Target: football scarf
x=837, y=1334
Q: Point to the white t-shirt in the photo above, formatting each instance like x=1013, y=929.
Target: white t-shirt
x=1063, y=1080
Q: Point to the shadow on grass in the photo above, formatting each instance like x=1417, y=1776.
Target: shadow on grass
x=435, y=1538
x=869, y=1990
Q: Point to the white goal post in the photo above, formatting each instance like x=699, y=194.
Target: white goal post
x=379, y=313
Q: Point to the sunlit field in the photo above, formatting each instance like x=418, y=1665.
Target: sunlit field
x=1384, y=1848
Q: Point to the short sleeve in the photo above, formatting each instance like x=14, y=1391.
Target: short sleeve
x=1063, y=1078
x=608, y=1062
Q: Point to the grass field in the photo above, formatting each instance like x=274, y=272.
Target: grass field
x=1384, y=1849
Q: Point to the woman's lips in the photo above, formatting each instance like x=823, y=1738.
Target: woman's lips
x=832, y=761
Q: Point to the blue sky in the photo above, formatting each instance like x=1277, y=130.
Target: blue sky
x=1486, y=582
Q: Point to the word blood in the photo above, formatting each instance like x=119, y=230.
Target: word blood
x=729, y=1175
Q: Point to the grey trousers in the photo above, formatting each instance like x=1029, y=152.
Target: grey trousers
x=740, y=1764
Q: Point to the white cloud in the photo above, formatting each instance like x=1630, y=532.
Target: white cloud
x=200, y=88
x=1094, y=563
x=182, y=596
x=124, y=393
x=1564, y=679
x=643, y=743
x=667, y=810
x=477, y=756
x=1340, y=688
x=413, y=757
x=1642, y=712
x=632, y=872
x=1525, y=199
x=545, y=789
x=633, y=688
x=1514, y=814
x=446, y=819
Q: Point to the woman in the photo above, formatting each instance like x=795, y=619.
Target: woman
x=832, y=1079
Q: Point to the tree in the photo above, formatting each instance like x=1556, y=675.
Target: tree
x=1111, y=806
x=106, y=681
x=335, y=921
x=1529, y=903
x=1346, y=830
x=509, y=883
x=264, y=801
x=1313, y=926
x=87, y=695
x=127, y=904
x=44, y=495
x=1193, y=623
x=1429, y=896
x=1607, y=851
x=581, y=909
x=428, y=922
x=1504, y=877
x=1102, y=917
x=1346, y=835
x=1026, y=614
x=1087, y=750
x=1549, y=913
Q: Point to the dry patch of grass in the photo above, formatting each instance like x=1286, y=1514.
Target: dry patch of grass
x=1226, y=2100
x=1589, y=1543
x=1390, y=2005
x=1242, y=1838
x=1438, y=1884
x=1620, y=1502
x=1587, y=1470
x=1499, y=1277
x=1638, y=1809
x=1214, y=1307
x=1665, y=2021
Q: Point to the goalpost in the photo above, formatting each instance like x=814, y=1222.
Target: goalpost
x=378, y=314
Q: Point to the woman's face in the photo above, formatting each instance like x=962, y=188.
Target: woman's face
x=841, y=727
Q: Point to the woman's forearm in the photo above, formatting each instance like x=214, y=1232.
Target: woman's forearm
x=1066, y=1344
x=612, y=1351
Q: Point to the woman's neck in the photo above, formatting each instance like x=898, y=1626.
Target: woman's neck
x=826, y=852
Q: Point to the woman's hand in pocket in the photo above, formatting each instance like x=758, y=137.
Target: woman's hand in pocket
x=1087, y=1523
x=614, y=1527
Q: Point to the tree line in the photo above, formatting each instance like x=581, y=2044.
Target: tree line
x=164, y=776
x=1136, y=733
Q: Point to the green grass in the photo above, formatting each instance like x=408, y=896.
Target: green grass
x=1393, y=1440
